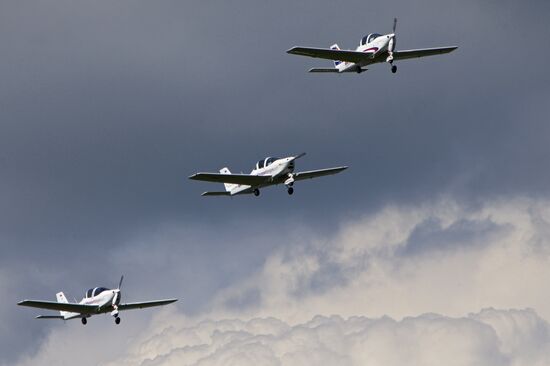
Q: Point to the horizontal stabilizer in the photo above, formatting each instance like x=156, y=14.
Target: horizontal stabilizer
x=224, y=193
x=323, y=69
x=50, y=317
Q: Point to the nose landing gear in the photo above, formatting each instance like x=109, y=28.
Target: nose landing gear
x=290, y=190
x=256, y=192
x=117, y=320
x=393, y=69
x=84, y=321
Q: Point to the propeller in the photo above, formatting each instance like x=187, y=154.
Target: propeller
x=299, y=156
x=116, y=298
x=391, y=44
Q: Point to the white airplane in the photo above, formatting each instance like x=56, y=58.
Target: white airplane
x=98, y=300
x=373, y=48
x=268, y=172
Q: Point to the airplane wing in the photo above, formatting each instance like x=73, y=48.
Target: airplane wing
x=422, y=52
x=318, y=173
x=246, y=179
x=145, y=304
x=329, y=54
x=60, y=306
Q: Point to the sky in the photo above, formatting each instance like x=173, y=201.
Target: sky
x=437, y=232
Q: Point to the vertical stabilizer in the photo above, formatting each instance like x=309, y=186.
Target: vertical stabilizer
x=335, y=47
x=228, y=186
x=61, y=298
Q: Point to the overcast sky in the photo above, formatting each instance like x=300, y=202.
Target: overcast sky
x=107, y=107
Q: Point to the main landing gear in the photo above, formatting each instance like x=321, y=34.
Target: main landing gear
x=84, y=321
x=256, y=192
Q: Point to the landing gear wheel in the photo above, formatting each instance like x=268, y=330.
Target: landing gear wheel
x=290, y=190
x=84, y=321
x=117, y=320
x=393, y=69
x=256, y=192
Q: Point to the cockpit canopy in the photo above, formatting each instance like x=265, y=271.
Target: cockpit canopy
x=369, y=38
x=95, y=291
x=265, y=162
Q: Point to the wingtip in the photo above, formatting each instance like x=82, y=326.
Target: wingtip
x=292, y=50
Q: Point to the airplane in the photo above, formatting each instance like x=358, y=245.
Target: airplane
x=373, y=48
x=267, y=172
x=98, y=300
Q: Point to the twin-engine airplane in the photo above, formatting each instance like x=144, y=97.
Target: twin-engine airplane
x=373, y=48
x=268, y=172
x=98, y=300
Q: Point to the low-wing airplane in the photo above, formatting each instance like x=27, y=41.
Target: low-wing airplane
x=373, y=48
x=98, y=300
x=268, y=172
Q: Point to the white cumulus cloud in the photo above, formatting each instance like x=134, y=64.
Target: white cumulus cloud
x=491, y=337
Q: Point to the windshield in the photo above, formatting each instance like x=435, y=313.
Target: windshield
x=99, y=290
x=95, y=291
x=270, y=161
x=372, y=37
x=260, y=164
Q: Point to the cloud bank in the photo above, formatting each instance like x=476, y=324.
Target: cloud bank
x=430, y=284
x=490, y=337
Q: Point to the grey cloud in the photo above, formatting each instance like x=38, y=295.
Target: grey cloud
x=430, y=236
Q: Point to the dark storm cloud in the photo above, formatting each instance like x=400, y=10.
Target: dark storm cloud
x=107, y=107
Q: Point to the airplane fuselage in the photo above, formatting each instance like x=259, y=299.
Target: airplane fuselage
x=280, y=170
x=105, y=302
x=377, y=48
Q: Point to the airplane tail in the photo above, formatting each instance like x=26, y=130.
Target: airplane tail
x=335, y=47
x=228, y=186
x=61, y=298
